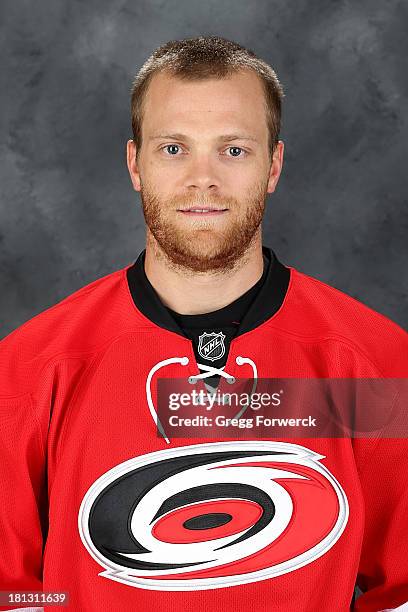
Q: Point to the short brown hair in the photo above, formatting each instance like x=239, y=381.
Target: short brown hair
x=206, y=57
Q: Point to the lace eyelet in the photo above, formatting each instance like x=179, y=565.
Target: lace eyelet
x=192, y=380
x=231, y=380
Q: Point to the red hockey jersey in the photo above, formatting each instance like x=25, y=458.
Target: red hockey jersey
x=95, y=504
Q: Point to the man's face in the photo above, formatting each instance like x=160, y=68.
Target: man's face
x=205, y=148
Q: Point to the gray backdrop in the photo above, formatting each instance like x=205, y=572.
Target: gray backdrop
x=68, y=214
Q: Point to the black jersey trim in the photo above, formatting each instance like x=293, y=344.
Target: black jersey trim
x=267, y=302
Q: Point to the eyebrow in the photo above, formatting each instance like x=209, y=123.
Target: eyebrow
x=224, y=137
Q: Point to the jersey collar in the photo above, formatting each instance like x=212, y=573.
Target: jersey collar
x=267, y=302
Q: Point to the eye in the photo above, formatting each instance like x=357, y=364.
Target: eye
x=171, y=149
x=235, y=151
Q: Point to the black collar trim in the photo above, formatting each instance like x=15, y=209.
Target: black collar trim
x=267, y=302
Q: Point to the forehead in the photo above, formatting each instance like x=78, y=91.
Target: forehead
x=236, y=101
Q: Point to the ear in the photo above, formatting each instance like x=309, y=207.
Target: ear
x=132, y=165
x=276, y=166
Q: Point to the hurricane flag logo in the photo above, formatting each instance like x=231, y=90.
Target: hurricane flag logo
x=212, y=515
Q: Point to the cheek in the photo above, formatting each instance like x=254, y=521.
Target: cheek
x=247, y=188
x=156, y=179
x=166, y=181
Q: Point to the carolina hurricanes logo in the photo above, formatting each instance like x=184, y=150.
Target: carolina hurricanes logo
x=212, y=515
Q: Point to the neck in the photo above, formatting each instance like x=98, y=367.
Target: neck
x=186, y=292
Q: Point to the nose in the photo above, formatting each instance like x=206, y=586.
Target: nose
x=201, y=173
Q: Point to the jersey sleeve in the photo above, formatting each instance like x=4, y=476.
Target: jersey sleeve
x=383, y=568
x=22, y=497
x=39, y=372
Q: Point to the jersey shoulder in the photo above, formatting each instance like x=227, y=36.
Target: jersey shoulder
x=316, y=310
x=80, y=322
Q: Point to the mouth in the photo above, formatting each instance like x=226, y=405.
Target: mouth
x=205, y=210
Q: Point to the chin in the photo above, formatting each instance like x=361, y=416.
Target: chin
x=202, y=246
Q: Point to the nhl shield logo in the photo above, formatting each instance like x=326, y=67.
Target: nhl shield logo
x=211, y=346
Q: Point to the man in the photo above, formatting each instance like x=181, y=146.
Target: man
x=94, y=502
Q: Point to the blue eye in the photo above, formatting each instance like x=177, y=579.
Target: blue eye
x=174, y=146
x=236, y=149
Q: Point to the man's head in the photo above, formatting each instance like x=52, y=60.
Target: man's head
x=206, y=119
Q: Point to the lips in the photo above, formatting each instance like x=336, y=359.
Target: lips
x=207, y=210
